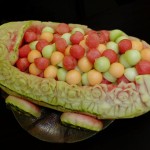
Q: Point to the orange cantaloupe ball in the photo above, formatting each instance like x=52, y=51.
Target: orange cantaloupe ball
x=50, y=72
x=94, y=77
x=137, y=45
x=145, y=54
x=83, y=44
x=33, y=54
x=116, y=69
x=56, y=57
x=73, y=77
x=34, y=70
x=48, y=36
x=84, y=64
x=67, y=50
x=101, y=48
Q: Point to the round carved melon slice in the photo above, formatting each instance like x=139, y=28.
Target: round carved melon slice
x=104, y=101
x=23, y=106
x=81, y=121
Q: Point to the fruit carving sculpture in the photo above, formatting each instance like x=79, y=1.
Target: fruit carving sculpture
x=72, y=75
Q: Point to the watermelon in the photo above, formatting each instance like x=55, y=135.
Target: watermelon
x=65, y=92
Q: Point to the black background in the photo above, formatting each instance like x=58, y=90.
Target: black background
x=131, y=16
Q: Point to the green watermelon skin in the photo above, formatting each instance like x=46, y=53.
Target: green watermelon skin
x=103, y=101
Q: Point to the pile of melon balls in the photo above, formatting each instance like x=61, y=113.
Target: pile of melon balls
x=81, y=57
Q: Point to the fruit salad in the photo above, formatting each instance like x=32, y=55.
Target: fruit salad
x=90, y=76
x=82, y=57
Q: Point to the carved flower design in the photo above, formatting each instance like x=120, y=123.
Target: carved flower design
x=6, y=71
x=75, y=92
x=47, y=86
x=124, y=95
x=19, y=82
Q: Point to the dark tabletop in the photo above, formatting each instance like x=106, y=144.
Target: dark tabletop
x=131, y=16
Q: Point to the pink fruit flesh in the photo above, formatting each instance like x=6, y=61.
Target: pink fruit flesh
x=81, y=120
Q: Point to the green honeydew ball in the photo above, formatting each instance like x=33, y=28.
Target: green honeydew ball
x=48, y=50
x=48, y=29
x=32, y=45
x=132, y=57
x=85, y=79
x=130, y=73
x=102, y=64
x=77, y=29
x=121, y=38
x=123, y=61
x=67, y=36
x=116, y=33
x=109, y=77
x=112, y=45
x=61, y=74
